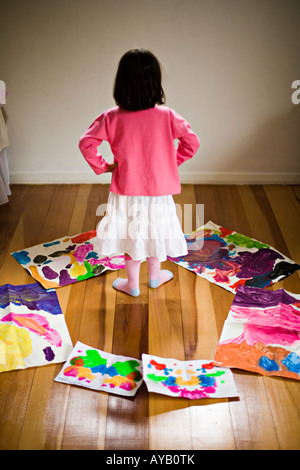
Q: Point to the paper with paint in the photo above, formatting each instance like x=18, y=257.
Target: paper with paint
x=67, y=260
x=101, y=371
x=187, y=379
x=262, y=333
x=230, y=259
x=33, y=331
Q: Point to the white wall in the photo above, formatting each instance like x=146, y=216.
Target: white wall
x=228, y=67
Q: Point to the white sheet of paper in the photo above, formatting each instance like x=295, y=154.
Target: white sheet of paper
x=187, y=379
x=98, y=370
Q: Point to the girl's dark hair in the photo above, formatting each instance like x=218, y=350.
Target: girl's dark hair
x=138, y=81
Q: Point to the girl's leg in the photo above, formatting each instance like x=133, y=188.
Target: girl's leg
x=131, y=285
x=157, y=277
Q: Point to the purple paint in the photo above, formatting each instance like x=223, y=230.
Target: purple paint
x=247, y=296
x=65, y=278
x=33, y=296
x=49, y=273
x=226, y=255
x=49, y=354
x=258, y=263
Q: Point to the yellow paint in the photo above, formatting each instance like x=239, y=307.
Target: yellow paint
x=77, y=270
x=192, y=381
x=178, y=372
x=18, y=345
x=118, y=380
x=2, y=352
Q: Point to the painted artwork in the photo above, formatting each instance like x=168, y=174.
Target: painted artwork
x=33, y=331
x=262, y=333
x=187, y=379
x=67, y=260
x=230, y=259
x=101, y=371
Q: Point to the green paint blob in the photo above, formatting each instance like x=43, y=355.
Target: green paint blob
x=89, y=272
x=216, y=374
x=155, y=378
x=241, y=240
x=91, y=359
x=125, y=368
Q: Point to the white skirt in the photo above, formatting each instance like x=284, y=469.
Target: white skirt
x=142, y=226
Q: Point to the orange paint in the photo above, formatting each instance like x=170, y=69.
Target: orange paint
x=30, y=323
x=45, y=283
x=243, y=356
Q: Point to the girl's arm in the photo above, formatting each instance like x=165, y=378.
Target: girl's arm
x=188, y=142
x=89, y=143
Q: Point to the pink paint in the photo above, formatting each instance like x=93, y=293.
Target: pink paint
x=109, y=262
x=81, y=252
x=35, y=323
x=81, y=373
x=276, y=325
x=192, y=394
x=128, y=386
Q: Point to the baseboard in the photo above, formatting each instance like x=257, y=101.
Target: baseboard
x=185, y=177
x=239, y=178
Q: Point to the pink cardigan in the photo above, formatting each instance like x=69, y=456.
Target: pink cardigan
x=142, y=143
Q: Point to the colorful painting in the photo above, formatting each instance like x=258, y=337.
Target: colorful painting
x=33, y=331
x=187, y=379
x=98, y=370
x=230, y=259
x=67, y=260
x=262, y=333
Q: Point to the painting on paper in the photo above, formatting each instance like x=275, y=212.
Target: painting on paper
x=262, y=333
x=33, y=331
x=101, y=371
x=187, y=379
x=67, y=260
x=230, y=259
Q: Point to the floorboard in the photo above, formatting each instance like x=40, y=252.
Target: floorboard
x=182, y=319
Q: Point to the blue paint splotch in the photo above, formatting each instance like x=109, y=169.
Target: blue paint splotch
x=292, y=362
x=51, y=243
x=22, y=256
x=268, y=364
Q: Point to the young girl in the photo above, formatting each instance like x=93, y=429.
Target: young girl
x=141, y=219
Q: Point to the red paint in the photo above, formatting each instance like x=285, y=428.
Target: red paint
x=241, y=282
x=157, y=365
x=209, y=365
x=77, y=361
x=225, y=231
x=83, y=237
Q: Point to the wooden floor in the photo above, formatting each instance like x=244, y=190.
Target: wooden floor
x=181, y=320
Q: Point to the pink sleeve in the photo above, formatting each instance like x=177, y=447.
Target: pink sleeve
x=188, y=142
x=89, y=143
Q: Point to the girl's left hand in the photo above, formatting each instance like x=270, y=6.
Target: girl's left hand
x=111, y=167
